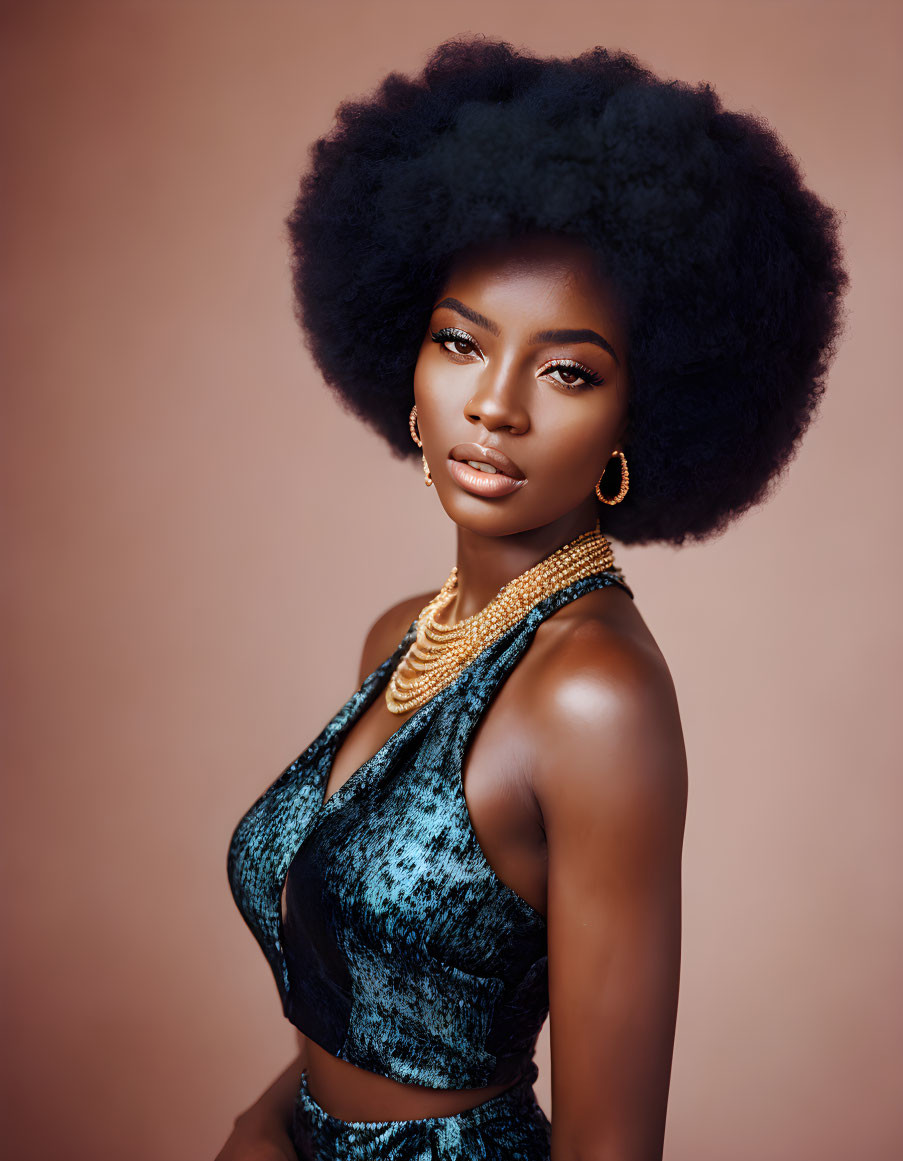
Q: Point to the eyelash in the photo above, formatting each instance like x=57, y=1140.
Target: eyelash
x=590, y=378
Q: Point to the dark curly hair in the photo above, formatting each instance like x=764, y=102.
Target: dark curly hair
x=730, y=269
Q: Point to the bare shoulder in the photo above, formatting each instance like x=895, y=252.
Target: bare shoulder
x=388, y=629
x=611, y=785
x=603, y=709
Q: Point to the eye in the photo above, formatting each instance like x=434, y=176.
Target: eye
x=575, y=377
x=458, y=338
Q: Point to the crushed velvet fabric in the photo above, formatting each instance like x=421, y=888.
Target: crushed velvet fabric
x=510, y=1126
x=402, y=950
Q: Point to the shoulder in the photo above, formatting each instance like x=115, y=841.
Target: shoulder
x=610, y=782
x=387, y=630
x=605, y=721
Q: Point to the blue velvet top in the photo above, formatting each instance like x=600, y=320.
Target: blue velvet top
x=402, y=951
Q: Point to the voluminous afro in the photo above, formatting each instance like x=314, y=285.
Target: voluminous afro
x=730, y=269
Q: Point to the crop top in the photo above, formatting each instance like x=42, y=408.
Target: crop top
x=402, y=951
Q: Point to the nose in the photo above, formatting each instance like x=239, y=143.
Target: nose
x=498, y=403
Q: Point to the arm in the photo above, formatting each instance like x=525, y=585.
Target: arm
x=263, y=1131
x=612, y=787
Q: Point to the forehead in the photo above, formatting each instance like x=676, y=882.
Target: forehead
x=550, y=278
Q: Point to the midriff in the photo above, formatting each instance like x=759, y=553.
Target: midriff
x=350, y=1093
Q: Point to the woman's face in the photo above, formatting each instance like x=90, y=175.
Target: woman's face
x=525, y=355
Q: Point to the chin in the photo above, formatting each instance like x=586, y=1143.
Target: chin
x=488, y=517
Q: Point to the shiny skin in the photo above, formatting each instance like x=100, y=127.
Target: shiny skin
x=576, y=778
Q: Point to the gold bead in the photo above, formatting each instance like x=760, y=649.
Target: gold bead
x=439, y=652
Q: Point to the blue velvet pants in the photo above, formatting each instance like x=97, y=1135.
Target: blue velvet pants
x=508, y=1127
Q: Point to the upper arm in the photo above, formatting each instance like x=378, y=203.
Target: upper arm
x=611, y=782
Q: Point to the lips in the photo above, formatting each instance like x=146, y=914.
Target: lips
x=463, y=452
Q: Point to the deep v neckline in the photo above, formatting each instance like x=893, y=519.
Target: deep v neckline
x=372, y=688
x=375, y=684
x=323, y=752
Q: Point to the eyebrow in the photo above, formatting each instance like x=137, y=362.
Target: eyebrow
x=582, y=335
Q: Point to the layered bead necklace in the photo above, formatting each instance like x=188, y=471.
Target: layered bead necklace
x=439, y=653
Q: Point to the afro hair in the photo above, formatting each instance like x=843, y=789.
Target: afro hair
x=730, y=269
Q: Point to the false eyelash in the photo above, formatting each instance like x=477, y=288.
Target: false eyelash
x=571, y=364
x=446, y=333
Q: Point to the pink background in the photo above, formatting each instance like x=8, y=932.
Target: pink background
x=198, y=538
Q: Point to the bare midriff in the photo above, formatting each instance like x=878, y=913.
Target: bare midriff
x=350, y=1093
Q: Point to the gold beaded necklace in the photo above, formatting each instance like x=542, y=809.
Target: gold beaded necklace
x=439, y=653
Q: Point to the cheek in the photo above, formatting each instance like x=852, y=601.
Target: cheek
x=425, y=378
x=439, y=393
x=572, y=439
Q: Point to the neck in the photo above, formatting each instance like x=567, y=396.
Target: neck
x=486, y=563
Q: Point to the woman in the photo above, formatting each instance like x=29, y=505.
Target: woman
x=594, y=304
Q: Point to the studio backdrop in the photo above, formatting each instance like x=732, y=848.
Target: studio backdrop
x=189, y=573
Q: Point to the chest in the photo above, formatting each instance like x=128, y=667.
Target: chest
x=494, y=785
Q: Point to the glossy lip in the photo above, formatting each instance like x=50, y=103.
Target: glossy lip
x=486, y=484
x=486, y=455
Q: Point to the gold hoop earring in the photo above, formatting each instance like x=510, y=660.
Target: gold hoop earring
x=625, y=480
x=412, y=424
